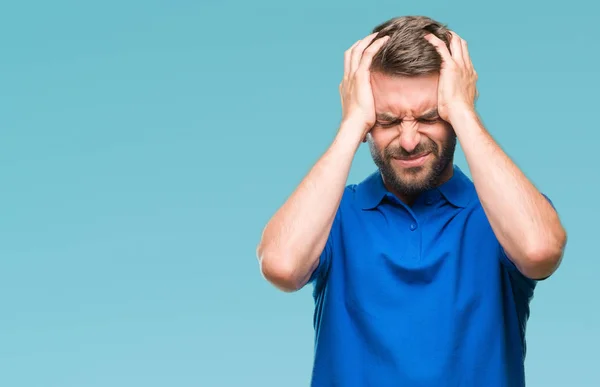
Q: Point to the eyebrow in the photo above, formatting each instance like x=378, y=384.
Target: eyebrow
x=387, y=117
x=430, y=115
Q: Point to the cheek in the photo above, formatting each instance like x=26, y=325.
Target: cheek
x=383, y=137
x=441, y=135
x=375, y=146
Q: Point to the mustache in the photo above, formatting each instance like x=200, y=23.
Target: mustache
x=421, y=148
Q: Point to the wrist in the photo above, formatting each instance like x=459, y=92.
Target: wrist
x=350, y=134
x=357, y=119
x=355, y=125
x=460, y=115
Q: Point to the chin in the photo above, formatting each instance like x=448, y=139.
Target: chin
x=414, y=179
x=414, y=173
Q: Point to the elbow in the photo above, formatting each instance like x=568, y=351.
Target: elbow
x=542, y=260
x=279, y=271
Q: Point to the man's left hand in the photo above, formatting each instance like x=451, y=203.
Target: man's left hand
x=457, y=90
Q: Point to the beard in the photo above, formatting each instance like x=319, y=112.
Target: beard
x=415, y=180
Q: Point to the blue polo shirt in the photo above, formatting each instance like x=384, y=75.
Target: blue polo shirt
x=419, y=295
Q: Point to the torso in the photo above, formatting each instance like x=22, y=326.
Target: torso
x=429, y=305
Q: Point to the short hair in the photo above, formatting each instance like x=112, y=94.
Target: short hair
x=407, y=53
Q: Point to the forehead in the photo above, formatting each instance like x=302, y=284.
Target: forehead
x=404, y=96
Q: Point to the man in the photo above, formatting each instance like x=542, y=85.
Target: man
x=421, y=276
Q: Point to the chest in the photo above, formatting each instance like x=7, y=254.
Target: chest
x=392, y=260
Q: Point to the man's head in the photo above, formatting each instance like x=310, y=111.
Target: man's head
x=410, y=144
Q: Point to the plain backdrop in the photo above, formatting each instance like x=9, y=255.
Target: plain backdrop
x=144, y=145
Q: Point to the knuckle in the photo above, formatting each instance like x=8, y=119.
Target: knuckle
x=371, y=50
x=374, y=47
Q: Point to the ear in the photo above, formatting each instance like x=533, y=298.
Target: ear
x=365, y=138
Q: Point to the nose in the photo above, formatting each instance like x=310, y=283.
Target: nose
x=409, y=135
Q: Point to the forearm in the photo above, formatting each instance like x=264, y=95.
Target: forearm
x=295, y=236
x=523, y=220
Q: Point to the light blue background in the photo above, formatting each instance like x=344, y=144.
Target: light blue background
x=144, y=145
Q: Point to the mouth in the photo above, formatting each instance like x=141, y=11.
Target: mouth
x=412, y=161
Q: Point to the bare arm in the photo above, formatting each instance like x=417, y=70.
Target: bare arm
x=295, y=236
x=523, y=220
x=526, y=225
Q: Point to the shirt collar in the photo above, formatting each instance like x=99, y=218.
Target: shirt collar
x=458, y=190
x=371, y=191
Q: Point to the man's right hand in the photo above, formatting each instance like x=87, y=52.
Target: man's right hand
x=358, y=107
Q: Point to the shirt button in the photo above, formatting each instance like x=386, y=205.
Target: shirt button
x=413, y=227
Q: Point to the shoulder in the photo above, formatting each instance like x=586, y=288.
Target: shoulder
x=350, y=193
x=350, y=200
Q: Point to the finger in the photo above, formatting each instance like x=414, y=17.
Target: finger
x=466, y=56
x=369, y=53
x=441, y=48
x=347, y=56
x=358, y=50
x=456, y=48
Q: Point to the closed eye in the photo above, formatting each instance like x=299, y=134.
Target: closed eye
x=431, y=117
x=429, y=121
x=387, y=124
